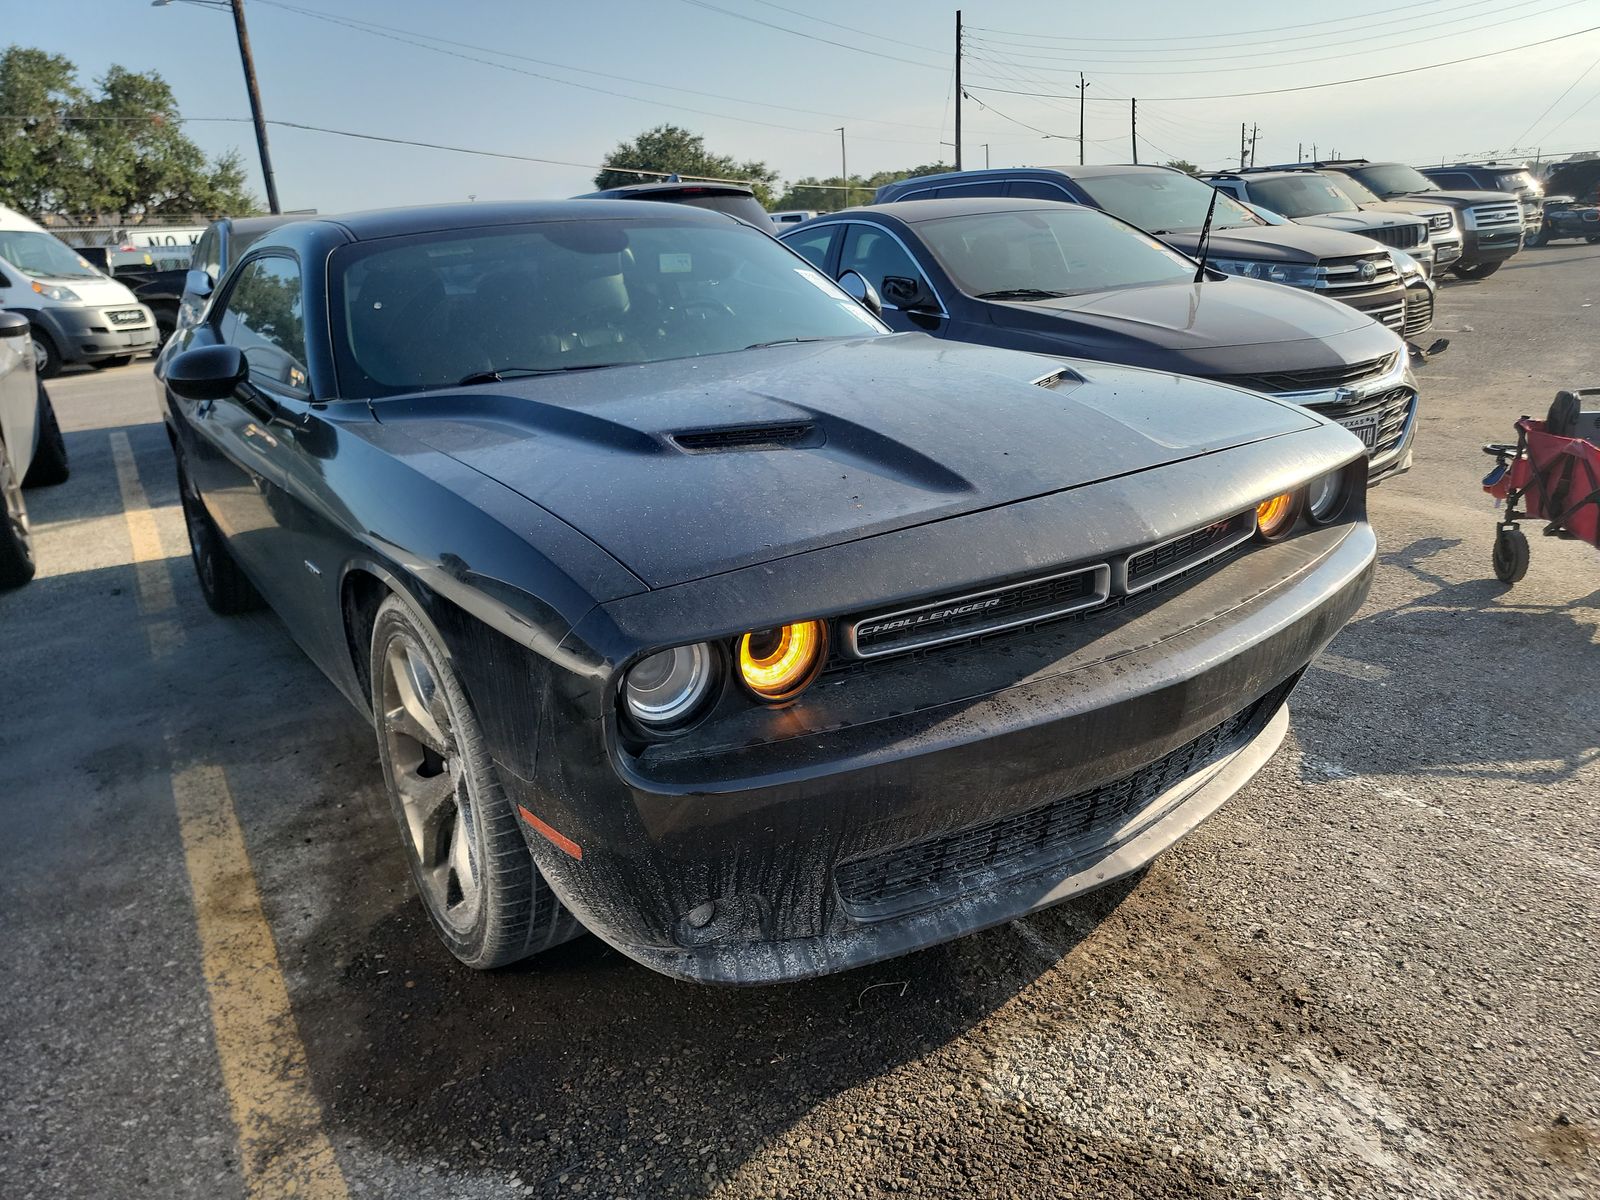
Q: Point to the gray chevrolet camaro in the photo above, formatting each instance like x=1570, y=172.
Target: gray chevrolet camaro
x=693, y=607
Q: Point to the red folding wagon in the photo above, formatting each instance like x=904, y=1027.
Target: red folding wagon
x=1551, y=474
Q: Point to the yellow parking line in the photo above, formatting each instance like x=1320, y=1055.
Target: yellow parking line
x=282, y=1147
x=281, y=1143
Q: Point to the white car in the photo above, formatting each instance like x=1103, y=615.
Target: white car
x=32, y=451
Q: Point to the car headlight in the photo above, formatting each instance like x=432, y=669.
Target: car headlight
x=1407, y=267
x=1293, y=274
x=1327, y=495
x=54, y=291
x=669, y=687
x=780, y=663
x=1276, y=515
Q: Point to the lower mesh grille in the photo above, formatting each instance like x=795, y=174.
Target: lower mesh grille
x=942, y=868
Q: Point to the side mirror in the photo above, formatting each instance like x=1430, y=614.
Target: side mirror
x=207, y=372
x=855, y=283
x=196, y=282
x=13, y=325
x=907, y=294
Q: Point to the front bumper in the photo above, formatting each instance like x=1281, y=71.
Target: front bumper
x=88, y=334
x=760, y=863
x=1445, y=252
x=1490, y=245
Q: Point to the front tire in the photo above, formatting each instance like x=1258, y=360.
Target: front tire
x=49, y=465
x=1535, y=239
x=227, y=590
x=46, y=358
x=1475, y=270
x=16, y=538
x=480, y=886
x=1510, y=555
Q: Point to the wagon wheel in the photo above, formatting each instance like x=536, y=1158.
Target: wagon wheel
x=1510, y=555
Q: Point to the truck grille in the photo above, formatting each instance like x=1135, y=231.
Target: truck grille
x=1317, y=379
x=1401, y=237
x=126, y=316
x=1495, y=216
x=982, y=857
x=1359, y=275
x=1391, y=316
x=1419, y=310
x=1441, y=222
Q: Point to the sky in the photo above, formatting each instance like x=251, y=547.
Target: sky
x=504, y=76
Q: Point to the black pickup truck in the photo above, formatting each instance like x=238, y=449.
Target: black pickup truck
x=160, y=291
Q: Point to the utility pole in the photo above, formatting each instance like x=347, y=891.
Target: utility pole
x=1299, y=152
x=1083, y=92
x=958, y=89
x=986, y=156
x=844, y=169
x=1133, y=127
x=1241, y=145
x=1255, y=132
x=1314, y=157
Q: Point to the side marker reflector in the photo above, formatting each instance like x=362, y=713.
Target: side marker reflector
x=560, y=840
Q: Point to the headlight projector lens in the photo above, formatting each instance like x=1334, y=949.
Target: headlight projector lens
x=668, y=687
x=1275, y=516
x=780, y=663
x=1326, y=496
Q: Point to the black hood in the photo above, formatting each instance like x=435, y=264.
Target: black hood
x=692, y=467
x=1218, y=328
x=1460, y=199
x=1275, y=243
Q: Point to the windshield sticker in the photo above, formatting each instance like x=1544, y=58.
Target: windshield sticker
x=676, y=263
x=815, y=280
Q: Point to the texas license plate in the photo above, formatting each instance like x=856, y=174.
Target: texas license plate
x=1364, y=427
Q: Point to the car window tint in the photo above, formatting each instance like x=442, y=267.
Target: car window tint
x=1031, y=189
x=874, y=253
x=1061, y=251
x=1160, y=201
x=1454, y=179
x=813, y=244
x=428, y=311
x=1300, y=196
x=265, y=319
x=208, y=254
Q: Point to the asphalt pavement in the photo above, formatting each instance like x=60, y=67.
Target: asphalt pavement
x=1374, y=973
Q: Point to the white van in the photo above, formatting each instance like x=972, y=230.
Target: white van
x=77, y=313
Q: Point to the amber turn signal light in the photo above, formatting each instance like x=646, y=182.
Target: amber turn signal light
x=780, y=663
x=1275, y=516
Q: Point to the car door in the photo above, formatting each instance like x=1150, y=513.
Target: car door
x=877, y=253
x=235, y=454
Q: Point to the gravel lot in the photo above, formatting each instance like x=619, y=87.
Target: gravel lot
x=1374, y=973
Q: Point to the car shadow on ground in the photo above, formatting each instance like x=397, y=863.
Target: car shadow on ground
x=1511, y=710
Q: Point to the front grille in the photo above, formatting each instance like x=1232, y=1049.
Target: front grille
x=957, y=618
x=126, y=316
x=1317, y=379
x=1441, y=222
x=1393, y=411
x=1419, y=310
x=941, y=869
x=1391, y=316
x=1401, y=237
x=1495, y=216
x=1356, y=275
x=1181, y=553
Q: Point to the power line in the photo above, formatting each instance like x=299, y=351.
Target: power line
x=1307, y=87
x=1116, y=69
x=811, y=37
x=1197, y=37
x=812, y=17
x=1556, y=101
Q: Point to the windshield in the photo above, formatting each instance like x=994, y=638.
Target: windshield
x=1164, y=201
x=1354, y=188
x=431, y=310
x=1035, y=254
x=1394, y=179
x=42, y=256
x=1516, y=181
x=1300, y=196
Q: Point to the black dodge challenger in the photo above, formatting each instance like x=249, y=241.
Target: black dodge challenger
x=693, y=607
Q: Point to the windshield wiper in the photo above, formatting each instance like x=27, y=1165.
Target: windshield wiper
x=1021, y=294
x=501, y=374
x=782, y=342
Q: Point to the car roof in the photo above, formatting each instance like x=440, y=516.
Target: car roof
x=687, y=186
x=1252, y=174
x=914, y=212
x=433, y=218
x=1072, y=172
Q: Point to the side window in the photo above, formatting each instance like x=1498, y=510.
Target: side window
x=813, y=244
x=265, y=319
x=208, y=256
x=875, y=254
x=1230, y=188
x=1453, y=179
x=1032, y=189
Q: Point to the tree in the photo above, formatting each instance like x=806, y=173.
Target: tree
x=677, y=151
x=117, y=151
x=829, y=195
x=1182, y=164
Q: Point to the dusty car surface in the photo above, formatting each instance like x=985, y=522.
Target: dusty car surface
x=1068, y=279
x=693, y=607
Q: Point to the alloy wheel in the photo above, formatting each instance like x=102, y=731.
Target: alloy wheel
x=426, y=768
x=16, y=509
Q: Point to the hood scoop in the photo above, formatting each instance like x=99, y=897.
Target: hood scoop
x=748, y=437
